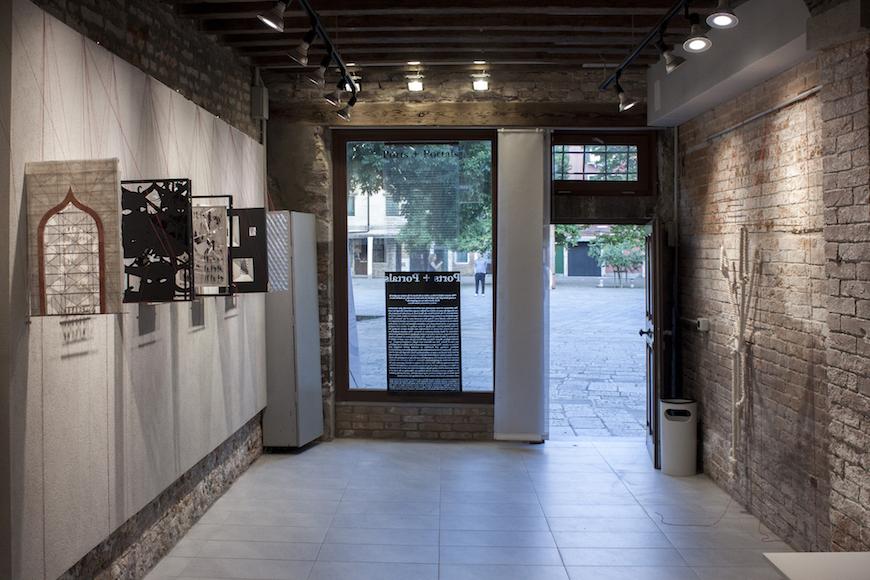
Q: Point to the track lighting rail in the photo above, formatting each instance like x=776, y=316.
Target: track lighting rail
x=330, y=48
x=651, y=37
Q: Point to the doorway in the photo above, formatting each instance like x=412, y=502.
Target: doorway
x=598, y=309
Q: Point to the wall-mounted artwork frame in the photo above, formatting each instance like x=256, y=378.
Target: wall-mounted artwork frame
x=74, y=237
x=249, y=261
x=156, y=231
x=211, y=217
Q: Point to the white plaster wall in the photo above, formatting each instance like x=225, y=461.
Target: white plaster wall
x=101, y=427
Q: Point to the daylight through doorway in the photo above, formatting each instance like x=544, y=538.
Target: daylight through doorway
x=597, y=368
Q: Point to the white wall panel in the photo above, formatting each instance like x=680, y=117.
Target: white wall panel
x=120, y=423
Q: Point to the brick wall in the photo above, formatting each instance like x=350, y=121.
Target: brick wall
x=148, y=35
x=767, y=176
x=844, y=116
x=412, y=421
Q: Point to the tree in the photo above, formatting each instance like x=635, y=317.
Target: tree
x=623, y=249
x=568, y=235
x=443, y=190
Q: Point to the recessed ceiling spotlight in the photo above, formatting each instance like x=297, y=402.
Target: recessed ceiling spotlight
x=299, y=55
x=480, y=82
x=697, y=40
x=413, y=63
x=415, y=83
x=480, y=62
x=274, y=17
x=723, y=17
x=349, y=64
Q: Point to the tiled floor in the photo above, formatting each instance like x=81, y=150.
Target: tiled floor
x=364, y=510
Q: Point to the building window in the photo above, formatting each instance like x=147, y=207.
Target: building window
x=437, y=186
x=602, y=164
x=351, y=205
x=379, y=251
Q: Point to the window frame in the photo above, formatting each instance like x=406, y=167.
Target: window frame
x=340, y=140
x=646, y=168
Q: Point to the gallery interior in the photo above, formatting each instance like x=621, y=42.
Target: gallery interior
x=277, y=281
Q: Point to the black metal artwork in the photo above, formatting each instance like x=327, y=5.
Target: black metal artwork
x=156, y=231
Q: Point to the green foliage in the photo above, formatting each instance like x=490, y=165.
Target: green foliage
x=623, y=248
x=444, y=191
x=568, y=235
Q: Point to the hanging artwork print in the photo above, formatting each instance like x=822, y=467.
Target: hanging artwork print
x=212, y=231
x=156, y=230
x=250, y=264
x=74, y=242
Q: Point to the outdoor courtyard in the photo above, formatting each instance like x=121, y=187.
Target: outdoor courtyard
x=596, y=356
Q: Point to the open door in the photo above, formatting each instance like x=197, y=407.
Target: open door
x=653, y=336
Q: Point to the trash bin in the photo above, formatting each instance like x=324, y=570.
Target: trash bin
x=679, y=433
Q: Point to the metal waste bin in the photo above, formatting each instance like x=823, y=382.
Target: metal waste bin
x=679, y=432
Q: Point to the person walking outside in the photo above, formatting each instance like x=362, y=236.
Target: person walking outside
x=480, y=266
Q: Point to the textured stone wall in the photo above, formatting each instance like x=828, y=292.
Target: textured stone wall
x=138, y=545
x=767, y=176
x=150, y=36
x=844, y=113
x=413, y=421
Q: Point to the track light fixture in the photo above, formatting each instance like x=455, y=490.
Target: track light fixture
x=345, y=112
x=697, y=40
x=672, y=61
x=625, y=102
x=274, y=17
x=333, y=98
x=723, y=17
x=352, y=83
x=299, y=55
x=318, y=77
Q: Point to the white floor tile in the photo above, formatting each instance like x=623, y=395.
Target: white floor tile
x=367, y=571
x=378, y=553
x=611, y=540
x=258, y=550
x=248, y=569
x=616, y=557
x=530, y=539
x=631, y=573
x=500, y=555
x=391, y=537
x=502, y=572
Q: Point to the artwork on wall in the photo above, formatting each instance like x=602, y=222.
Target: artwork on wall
x=156, y=231
x=278, y=249
x=250, y=265
x=212, y=232
x=74, y=237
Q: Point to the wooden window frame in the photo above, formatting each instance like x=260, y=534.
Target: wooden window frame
x=340, y=139
x=646, y=167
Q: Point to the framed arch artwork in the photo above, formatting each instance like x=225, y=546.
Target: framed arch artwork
x=74, y=237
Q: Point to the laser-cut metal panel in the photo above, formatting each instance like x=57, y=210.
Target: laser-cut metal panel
x=249, y=261
x=73, y=237
x=278, y=249
x=156, y=232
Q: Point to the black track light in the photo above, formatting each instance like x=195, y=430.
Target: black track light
x=697, y=40
x=345, y=112
x=334, y=98
x=625, y=102
x=299, y=55
x=723, y=17
x=274, y=17
x=672, y=61
x=318, y=77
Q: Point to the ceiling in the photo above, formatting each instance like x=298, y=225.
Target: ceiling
x=445, y=34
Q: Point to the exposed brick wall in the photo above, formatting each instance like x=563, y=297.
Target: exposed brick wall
x=845, y=70
x=412, y=421
x=767, y=176
x=150, y=36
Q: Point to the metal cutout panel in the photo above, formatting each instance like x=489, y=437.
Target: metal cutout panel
x=250, y=269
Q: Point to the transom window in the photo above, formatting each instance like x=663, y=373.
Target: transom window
x=613, y=163
x=595, y=162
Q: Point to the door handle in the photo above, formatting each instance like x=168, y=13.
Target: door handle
x=643, y=332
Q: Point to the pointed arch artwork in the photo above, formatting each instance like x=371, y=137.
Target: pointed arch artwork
x=74, y=237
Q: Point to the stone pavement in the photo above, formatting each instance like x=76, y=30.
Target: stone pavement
x=596, y=355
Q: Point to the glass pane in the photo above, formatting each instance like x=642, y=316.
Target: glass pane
x=595, y=162
x=422, y=207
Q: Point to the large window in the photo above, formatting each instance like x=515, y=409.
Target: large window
x=602, y=163
x=430, y=195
